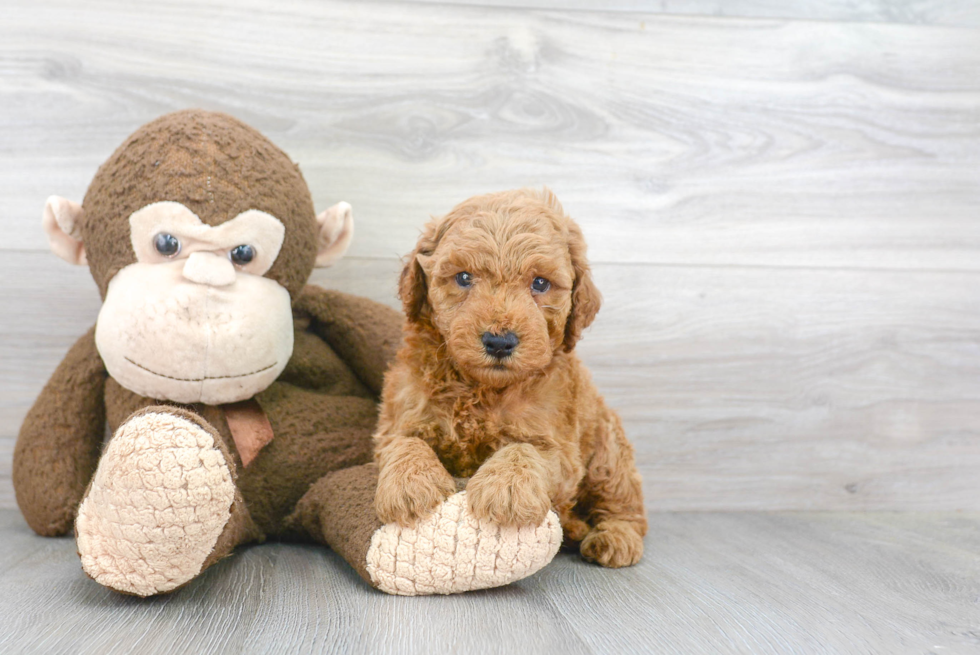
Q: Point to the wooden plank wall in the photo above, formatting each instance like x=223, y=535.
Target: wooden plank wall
x=955, y=13
x=782, y=201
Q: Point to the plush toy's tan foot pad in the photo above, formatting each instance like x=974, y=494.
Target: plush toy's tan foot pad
x=158, y=502
x=451, y=551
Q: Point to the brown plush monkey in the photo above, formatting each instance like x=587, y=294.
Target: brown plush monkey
x=240, y=401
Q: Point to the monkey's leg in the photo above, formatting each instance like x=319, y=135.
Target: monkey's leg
x=162, y=506
x=447, y=552
x=59, y=443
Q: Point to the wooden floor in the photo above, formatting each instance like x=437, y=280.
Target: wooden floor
x=782, y=201
x=710, y=583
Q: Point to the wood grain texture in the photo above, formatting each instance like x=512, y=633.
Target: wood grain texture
x=955, y=13
x=741, y=388
x=782, y=213
x=709, y=583
x=707, y=141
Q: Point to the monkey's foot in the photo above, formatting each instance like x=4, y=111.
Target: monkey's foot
x=450, y=551
x=159, y=501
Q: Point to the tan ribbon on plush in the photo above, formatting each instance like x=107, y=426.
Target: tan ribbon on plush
x=250, y=428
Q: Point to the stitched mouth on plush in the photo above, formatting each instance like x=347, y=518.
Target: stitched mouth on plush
x=165, y=338
x=206, y=377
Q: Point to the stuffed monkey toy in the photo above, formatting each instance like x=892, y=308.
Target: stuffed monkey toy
x=240, y=400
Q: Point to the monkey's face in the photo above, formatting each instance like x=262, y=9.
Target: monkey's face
x=193, y=319
x=199, y=232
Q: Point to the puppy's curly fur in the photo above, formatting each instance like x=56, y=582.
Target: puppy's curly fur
x=529, y=428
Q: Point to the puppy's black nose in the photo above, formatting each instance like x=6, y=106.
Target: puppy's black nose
x=500, y=346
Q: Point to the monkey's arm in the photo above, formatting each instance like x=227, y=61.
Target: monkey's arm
x=364, y=333
x=59, y=443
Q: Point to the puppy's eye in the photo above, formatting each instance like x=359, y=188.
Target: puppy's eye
x=166, y=244
x=241, y=255
x=540, y=285
x=464, y=279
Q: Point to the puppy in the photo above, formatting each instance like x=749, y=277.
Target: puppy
x=487, y=385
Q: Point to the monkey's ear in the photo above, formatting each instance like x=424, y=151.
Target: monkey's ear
x=336, y=229
x=61, y=221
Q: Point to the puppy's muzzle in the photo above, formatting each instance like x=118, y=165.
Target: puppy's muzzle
x=500, y=346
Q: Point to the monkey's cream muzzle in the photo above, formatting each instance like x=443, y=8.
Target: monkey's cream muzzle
x=194, y=327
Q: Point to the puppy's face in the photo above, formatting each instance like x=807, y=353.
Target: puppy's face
x=501, y=284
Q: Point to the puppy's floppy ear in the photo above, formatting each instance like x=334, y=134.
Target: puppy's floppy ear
x=413, y=289
x=586, y=298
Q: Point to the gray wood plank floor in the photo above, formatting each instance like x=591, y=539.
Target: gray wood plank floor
x=709, y=583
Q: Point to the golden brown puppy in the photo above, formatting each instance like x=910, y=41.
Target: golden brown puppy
x=487, y=384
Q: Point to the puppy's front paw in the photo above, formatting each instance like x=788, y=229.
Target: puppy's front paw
x=508, y=494
x=404, y=497
x=614, y=544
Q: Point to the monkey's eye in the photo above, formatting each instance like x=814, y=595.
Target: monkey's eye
x=242, y=254
x=540, y=285
x=166, y=244
x=464, y=279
